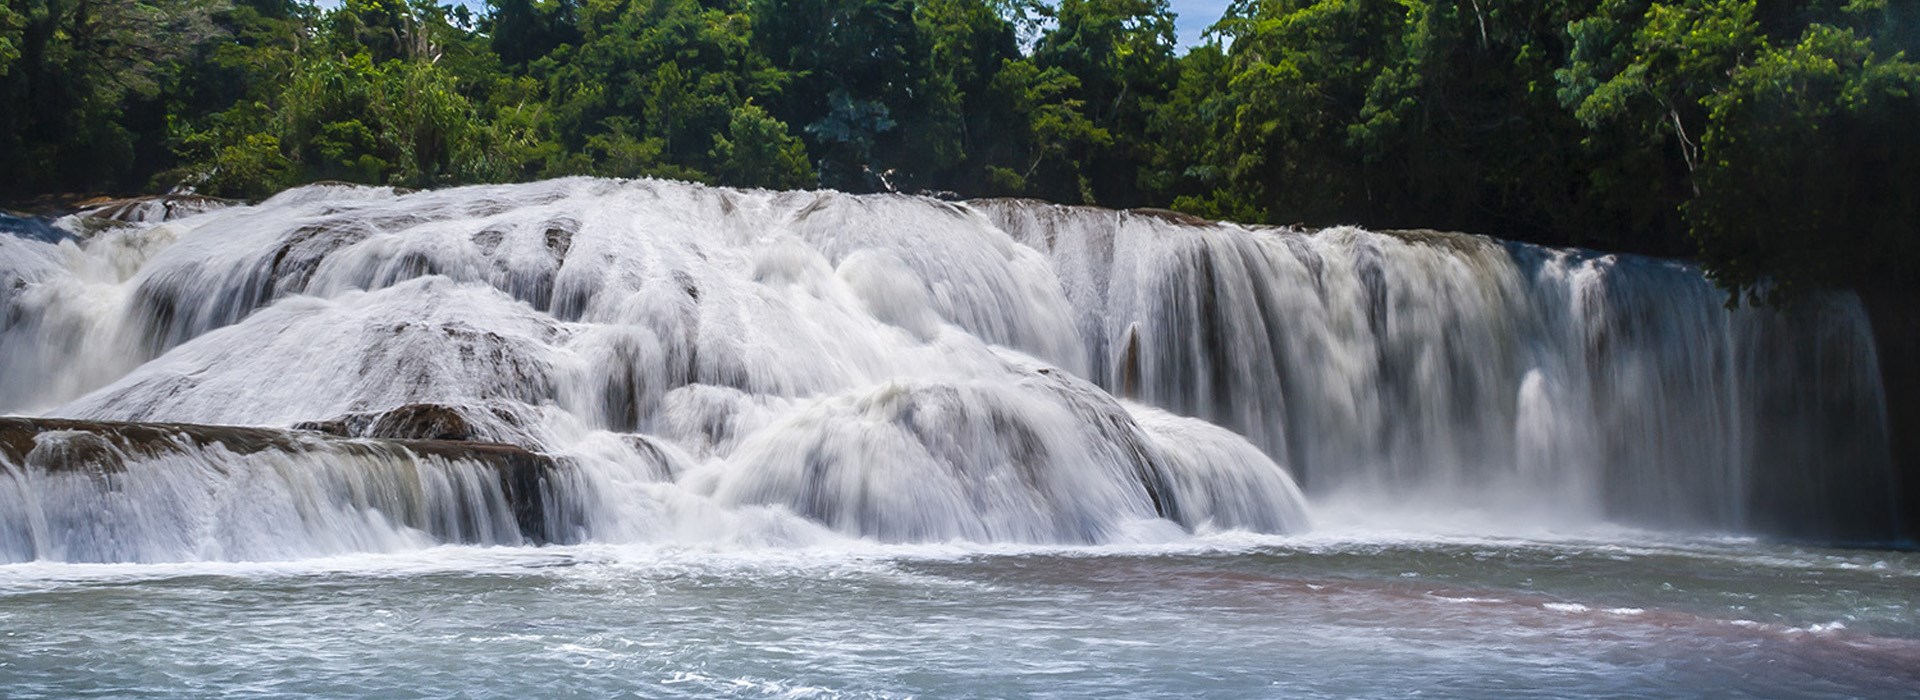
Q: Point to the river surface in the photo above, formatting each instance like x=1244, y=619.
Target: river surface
x=1327, y=615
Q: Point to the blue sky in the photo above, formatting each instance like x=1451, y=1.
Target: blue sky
x=1194, y=16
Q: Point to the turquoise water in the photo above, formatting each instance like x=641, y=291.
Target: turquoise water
x=1231, y=616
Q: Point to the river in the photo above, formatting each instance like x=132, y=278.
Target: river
x=597, y=438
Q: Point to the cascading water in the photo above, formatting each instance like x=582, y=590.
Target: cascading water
x=1411, y=370
x=713, y=364
x=90, y=493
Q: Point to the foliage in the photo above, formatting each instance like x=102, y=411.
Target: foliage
x=758, y=151
x=1813, y=156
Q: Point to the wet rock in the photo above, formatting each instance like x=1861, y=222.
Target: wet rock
x=1464, y=243
x=1172, y=217
x=422, y=421
x=559, y=238
x=649, y=449
x=417, y=421
x=32, y=228
x=78, y=451
x=337, y=427
x=154, y=209
x=101, y=448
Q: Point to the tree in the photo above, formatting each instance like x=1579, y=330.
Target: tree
x=1121, y=53
x=862, y=89
x=1794, y=129
x=84, y=79
x=654, y=81
x=522, y=31
x=1052, y=130
x=758, y=151
x=1809, y=159
x=11, y=23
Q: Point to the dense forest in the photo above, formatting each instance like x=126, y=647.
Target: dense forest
x=1766, y=138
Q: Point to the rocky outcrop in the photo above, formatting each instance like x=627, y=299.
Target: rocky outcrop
x=417, y=421
x=153, y=209
x=33, y=228
x=493, y=421
x=104, y=448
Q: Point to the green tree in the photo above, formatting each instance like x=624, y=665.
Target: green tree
x=1121, y=52
x=83, y=81
x=652, y=83
x=1809, y=158
x=1792, y=121
x=963, y=124
x=11, y=22
x=862, y=89
x=342, y=113
x=758, y=151
x=522, y=31
x=1052, y=131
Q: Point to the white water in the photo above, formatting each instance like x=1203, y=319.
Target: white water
x=1439, y=367
x=784, y=369
x=207, y=503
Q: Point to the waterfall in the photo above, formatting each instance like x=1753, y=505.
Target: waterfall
x=92, y=492
x=1424, y=367
x=780, y=367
